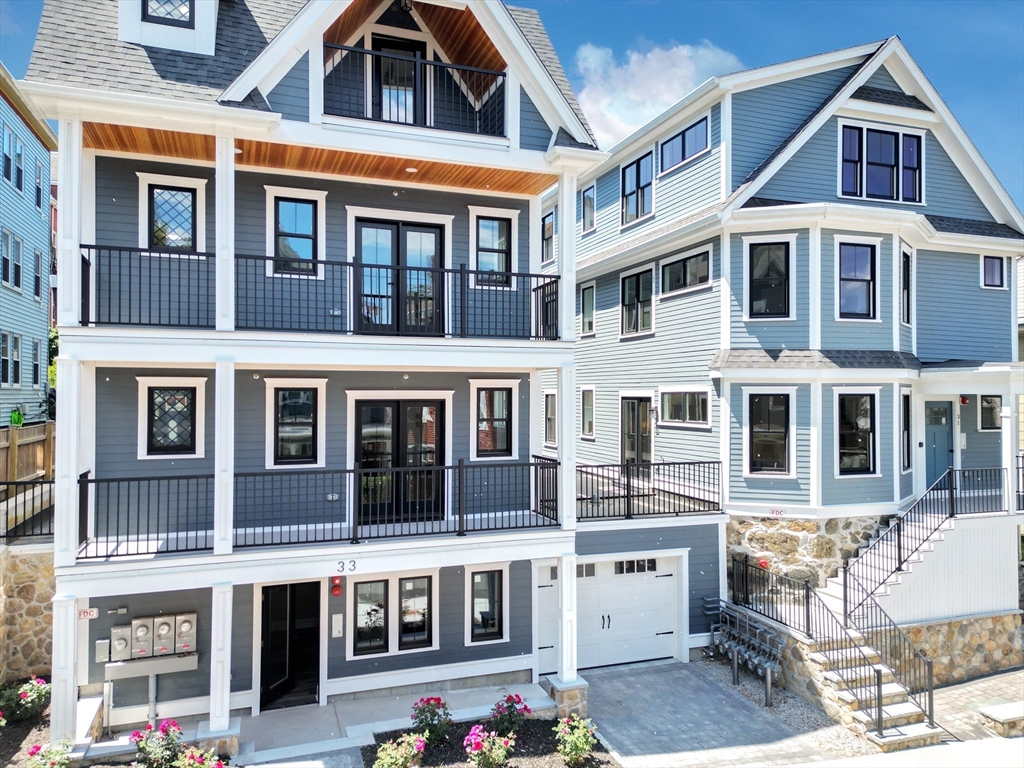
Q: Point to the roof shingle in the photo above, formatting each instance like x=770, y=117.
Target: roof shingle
x=812, y=358
x=972, y=227
x=893, y=98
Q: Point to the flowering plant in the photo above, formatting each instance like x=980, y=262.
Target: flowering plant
x=27, y=701
x=2, y=721
x=508, y=714
x=162, y=748
x=432, y=718
x=575, y=737
x=403, y=752
x=58, y=756
x=486, y=749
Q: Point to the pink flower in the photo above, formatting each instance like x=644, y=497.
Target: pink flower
x=200, y=759
x=219, y=764
x=527, y=710
x=565, y=730
x=504, y=742
x=149, y=726
x=23, y=695
x=420, y=745
x=477, y=746
x=34, y=750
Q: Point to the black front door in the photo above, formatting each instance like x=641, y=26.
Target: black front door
x=398, y=80
x=636, y=434
x=290, y=648
x=399, y=278
x=399, y=447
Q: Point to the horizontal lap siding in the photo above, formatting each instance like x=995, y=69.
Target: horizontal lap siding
x=241, y=637
x=534, y=133
x=984, y=448
x=982, y=328
x=882, y=79
x=851, y=489
x=906, y=484
x=775, y=334
x=847, y=334
x=290, y=96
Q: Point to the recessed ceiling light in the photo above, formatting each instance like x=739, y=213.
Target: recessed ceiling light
x=410, y=169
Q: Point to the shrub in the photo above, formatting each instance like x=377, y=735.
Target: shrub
x=575, y=736
x=27, y=701
x=486, y=749
x=162, y=748
x=432, y=718
x=58, y=756
x=508, y=714
x=403, y=752
x=2, y=721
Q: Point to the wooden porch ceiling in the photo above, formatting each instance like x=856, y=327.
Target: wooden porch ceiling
x=148, y=141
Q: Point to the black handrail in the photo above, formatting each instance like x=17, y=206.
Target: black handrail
x=628, y=490
x=26, y=509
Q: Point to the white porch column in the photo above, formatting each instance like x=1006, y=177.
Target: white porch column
x=565, y=400
x=224, y=459
x=225, y=231
x=64, y=679
x=69, y=259
x=1008, y=442
x=567, y=255
x=567, y=629
x=65, y=512
x=220, y=658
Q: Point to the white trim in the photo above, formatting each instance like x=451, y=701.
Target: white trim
x=725, y=117
x=977, y=424
x=981, y=272
x=709, y=249
x=394, y=612
x=814, y=287
x=431, y=674
x=474, y=386
x=905, y=248
x=726, y=293
x=638, y=334
x=876, y=394
x=876, y=271
x=320, y=385
x=815, y=441
x=544, y=418
x=354, y=212
x=591, y=186
x=144, y=383
x=706, y=115
x=200, y=38
x=896, y=257
x=897, y=434
x=505, y=628
x=788, y=238
x=791, y=438
x=684, y=389
x=199, y=214
x=900, y=131
x=592, y=285
x=592, y=437
x=319, y=196
x=476, y=212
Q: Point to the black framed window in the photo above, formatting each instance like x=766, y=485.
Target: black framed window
x=171, y=414
x=769, y=433
x=906, y=434
x=8, y=152
x=550, y=420
x=39, y=185
x=684, y=407
x=547, y=236
x=906, y=291
x=588, y=204
x=883, y=160
x=994, y=268
x=415, y=617
x=486, y=606
x=637, y=314
x=494, y=250
x=769, y=280
x=35, y=362
x=371, y=618
x=856, y=434
x=494, y=422
x=637, y=188
x=5, y=358
x=295, y=426
x=19, y=165
x=587, y=309
x=851, y=161
x=856, y=281
x=175, y=13
x=911, y=182
x=991, y=407
x=172, y=218
x=587, y=412
x=686, y=273
x=295, y=236
x=37, y=276
x=684, y=144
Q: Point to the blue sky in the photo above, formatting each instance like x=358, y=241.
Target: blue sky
x=628, y=59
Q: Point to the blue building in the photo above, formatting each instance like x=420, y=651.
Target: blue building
x=25, y=259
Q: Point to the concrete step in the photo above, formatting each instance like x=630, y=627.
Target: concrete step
x=893, y=715
x=847, y=657
x=906, y=737
x=862, y=675
x=892, y=693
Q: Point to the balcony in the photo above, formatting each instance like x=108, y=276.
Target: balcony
x=628, y=491
x=134, y=287
x=152, y=516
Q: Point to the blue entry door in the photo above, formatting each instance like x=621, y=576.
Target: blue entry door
x=938, y=435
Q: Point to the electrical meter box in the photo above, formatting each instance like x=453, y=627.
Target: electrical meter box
x=120, y=643
x=163, y=635
x=103, y=650
x=185, y=633
x=142, y=637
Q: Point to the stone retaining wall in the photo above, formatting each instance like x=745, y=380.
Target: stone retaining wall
x=968, y=648
x=26, y=613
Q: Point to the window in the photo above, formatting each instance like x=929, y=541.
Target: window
x=589, y=200
x=881, y=164
x=851, y=173
x=415, y=613
x=689, y=408
x=911, y=168
x=172, y=421
x=5, y=257
x=295, y=426
x=19, y=165
x=295, y=230
x=882, y=160
x=176, y=13
x=906, y=291
x=37, y=276
x=16, y=263
x=494, y=250
x=39, y=184
x=586, y=412
x=769, y=280
x=991, y=407
x=371, y=618
x=856, y=281
x=637, y=314
x=486, y=621
x=547, y=228
x=689, y=272
x=35, y=362
x=993, y=272
x=637, y=188
x=587, y=309
x=769, y=433
x=856, y=432
x=550, y=420
x=494, y=422
x=172, y=219
x=684, y=145
x=586, y=570
x=906, y=434
x=5, y=358
x=635, y=566
x=8, y=153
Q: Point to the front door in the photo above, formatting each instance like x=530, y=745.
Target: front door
x=636, y=434
x=399, y=278
x=399, y=450
x=290, y=648
x=938, y=435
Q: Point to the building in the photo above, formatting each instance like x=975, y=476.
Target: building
x=24, y=254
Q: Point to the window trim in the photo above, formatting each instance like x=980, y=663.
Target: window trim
x=544, y=418
x=475, y=385
x=685, y=389
x=978, y=424
x=5, y=339
x=554, y=250
x=590, y=285
x=37, y=367
x=683, y=256
x=190, y=24
x=146, y=180
x=7, y=158
x=981, y=269
x=638, y=334
x=781, y=237
x=906, y=435
x=591, y=436
x=664, y=171
x=319, y=196
x=793, y=435
x=6, y=256
x=900, y=131
x=392, y=618
x=584, y=230
x=876, y=442
x=876, y=271
x=17, y=280
x=270, y=423
x=635, y=159
x=503, y=567
x=144, y=384
x=18, y=180
x=477, y=212
x=14, y=344
x=39, y=185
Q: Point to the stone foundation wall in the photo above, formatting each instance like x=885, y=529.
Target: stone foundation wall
x=800, y=549
x=968, y=648
x=26, y=613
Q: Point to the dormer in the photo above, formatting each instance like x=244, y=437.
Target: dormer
x=189, y=26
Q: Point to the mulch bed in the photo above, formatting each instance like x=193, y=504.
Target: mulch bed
x=17, y=737
x=535, y=748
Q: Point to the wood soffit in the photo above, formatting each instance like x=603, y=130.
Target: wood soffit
x=148, y=141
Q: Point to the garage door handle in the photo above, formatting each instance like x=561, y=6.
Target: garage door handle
x=602, y=622
x=609, y=621
x=544, y=586
x=658, y=634
x=664, y=576
x=545, y=647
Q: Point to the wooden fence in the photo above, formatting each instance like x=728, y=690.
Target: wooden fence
x=26, y=453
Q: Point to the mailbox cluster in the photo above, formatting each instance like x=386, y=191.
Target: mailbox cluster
x=153, y=636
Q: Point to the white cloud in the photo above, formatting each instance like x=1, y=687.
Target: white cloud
x=620, y=96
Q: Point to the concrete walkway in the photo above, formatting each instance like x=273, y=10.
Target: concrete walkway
x=956, y=706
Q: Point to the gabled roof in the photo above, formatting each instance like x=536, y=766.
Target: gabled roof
x=26, y=110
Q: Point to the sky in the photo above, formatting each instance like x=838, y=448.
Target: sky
x=628, y=60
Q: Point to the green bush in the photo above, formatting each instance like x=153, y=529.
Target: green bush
x=403, y=752
x=575, y=736
x=432, y=718
x=25, y=702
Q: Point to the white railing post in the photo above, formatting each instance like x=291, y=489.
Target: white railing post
x=65, y=512
x=225, y=232
x=567, y=658
x=1008, y=434
x=224, y=459
x=220, y=658
x=64, y=678
x=69, y=244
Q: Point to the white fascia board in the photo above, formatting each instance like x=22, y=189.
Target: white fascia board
x=873, y=111
x=788, y=70
x=574, y=159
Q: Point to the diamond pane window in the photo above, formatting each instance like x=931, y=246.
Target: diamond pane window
x=178, y=13
x=172, y=420
x=172, y=222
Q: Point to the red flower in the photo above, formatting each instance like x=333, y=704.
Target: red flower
x=34, y=750
x=23, y=695
x=504, y=742
x=477, y=746
x=149, y=727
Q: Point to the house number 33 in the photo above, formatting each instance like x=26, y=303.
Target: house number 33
x=346, y=565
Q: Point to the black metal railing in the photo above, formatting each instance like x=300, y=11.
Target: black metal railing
x=346, y=298
x=132, y=286
x=145, y=516
x=412, y=90
x=625, y=491
x=26, y=509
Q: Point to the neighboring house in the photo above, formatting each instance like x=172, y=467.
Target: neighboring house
x=25, y=145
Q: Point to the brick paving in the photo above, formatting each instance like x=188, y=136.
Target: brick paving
x=956, y=706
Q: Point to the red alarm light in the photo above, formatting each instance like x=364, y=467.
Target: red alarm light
x=336, y=586
x=763, y=563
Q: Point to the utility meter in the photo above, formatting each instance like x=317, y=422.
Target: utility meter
x=142, y=638
x=120, y=643
x=163, y=635
x=185, y=633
